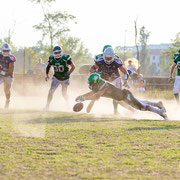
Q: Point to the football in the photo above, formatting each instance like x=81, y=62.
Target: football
x=78, y=107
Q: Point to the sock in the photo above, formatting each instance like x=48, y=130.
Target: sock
x=153, y=109
x=115, y=105
x=177, y=97
x=149, y=102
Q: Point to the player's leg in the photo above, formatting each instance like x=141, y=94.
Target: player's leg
x=7, y=87
x=65, y=84
x=155, y=104
x=176, y=88
x=118, y=83
x=90, y=105
x=54, y=84
x=140, y=106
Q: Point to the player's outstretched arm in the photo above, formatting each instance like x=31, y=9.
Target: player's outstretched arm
x=84, y=97
x=172, y=70
x=91, y=95
x=47, y=72
x=72, y=68
x=90, y=105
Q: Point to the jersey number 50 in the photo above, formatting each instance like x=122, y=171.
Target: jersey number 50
x=59, y=68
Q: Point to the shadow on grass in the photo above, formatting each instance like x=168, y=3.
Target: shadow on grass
x=74, y=118
x=165, y=127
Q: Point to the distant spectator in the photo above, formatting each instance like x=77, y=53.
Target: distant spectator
x=131, y=66
x=140, y=83
x=40, y=68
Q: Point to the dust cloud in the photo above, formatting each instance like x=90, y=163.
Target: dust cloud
x=32, y=97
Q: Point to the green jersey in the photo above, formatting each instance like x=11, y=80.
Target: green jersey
x=116, y=93
x=176, y=58
x=60, y=66
x=111, y=92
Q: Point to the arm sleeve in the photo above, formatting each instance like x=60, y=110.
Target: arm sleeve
x=48, y=68
x=68, y=59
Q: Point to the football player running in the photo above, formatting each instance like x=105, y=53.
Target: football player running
x=60, y=62
x=100, y=87
x=108, y=65
x=7, y=61
x=176, y=88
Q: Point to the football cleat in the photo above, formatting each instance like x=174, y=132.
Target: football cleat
x=161, y=106
x=164, y=116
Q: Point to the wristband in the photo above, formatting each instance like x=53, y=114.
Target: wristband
x=126, y=76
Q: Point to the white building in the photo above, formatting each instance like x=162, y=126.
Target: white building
x=154, y=52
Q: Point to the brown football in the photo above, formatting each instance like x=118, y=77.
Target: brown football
x=78, y=107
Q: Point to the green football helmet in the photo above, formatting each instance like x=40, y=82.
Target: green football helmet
x=57, y=52
x=93, y=79
x=105, y=47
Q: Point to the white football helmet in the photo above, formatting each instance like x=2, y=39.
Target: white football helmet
x=6, y=49
x=108, y=55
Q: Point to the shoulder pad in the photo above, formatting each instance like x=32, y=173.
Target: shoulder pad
x=97, y=57
x=118, y=60
x=176, y=55
x=51, y=57
x=117, y=56
x=66, y=57
x=12, y=58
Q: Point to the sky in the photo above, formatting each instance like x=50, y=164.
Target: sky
x=99, y=22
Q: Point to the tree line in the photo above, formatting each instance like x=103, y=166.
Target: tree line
x=54, y=28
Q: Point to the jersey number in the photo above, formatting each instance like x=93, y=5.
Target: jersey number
x=59, y=68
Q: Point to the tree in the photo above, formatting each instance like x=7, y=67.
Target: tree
x=54, y=24
x=73, y=46
x=144, y=60
x=124, y=52
x=166, y=57
x=137, y=48
x=176, y=41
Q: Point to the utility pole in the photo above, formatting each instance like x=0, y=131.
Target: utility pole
x=124, y=55
x=24, y=64
x=137, y=48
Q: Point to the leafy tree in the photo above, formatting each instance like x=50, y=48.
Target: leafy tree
x=166, y=57
x=73, y=46
x=54, y=24
x=124, y=53
x=176, y=41
x=144, y=60
x=137, y=48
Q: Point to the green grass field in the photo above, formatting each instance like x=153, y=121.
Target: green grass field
x=57, y=145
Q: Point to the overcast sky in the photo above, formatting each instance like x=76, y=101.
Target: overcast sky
x=99, y=22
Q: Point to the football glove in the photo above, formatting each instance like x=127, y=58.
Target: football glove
x=171, y=79
x=80, y=99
